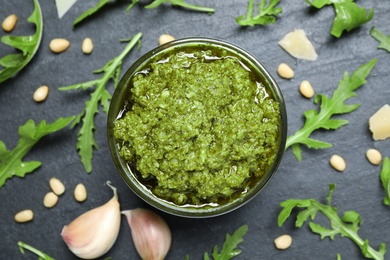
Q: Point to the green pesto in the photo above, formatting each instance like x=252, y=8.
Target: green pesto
x=198, y=130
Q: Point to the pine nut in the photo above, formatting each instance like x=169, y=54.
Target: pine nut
x=9, y=22
x=87, y=46
x=338, y=163
x=57, y=186
x=306, y=89
x=50, y=200
x=41, y=93
x=283, y=242
x=80, y=192
x=59, y=45
x=374, y=156
x=164, y=38
x=24, y=216
x=285, y=71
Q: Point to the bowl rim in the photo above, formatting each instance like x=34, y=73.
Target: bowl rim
x=125, y=171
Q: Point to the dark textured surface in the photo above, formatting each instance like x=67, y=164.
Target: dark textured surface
x=358, y=188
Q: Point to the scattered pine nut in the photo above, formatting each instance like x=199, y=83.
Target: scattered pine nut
x=50, y=199
x=41, y=93
x=9, y=22
x=285, y=71
x=80, y=192
x=306, y=89
x=57, y=186
x=87, y=46
x=283, y=242
x=164, y=38
x=338, y=163
x=59, y=45
x=374, y=156
x=24, y=216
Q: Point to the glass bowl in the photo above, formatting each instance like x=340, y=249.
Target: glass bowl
x=120, y=101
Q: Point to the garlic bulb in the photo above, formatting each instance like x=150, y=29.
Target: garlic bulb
x=151, y=234
x=93, y=233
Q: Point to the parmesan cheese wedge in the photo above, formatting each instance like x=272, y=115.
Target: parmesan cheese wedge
x=380, y=123
x=298, y=45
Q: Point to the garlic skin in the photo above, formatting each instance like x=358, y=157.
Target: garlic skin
x=151, y=234
x=93, y=233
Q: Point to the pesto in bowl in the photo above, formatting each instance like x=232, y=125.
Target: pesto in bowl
x=198, y=127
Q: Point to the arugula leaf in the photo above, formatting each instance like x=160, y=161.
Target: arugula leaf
x=28, y=45
x=384, y=41
x=40, y=254
x=328, y=107
x=154, y=4
x=11, y=161
x=229, y=248
x=86, y=142
x=265, y=15
x=348, y=14
x=347, y=226
x=90, y=11
x=385, y=179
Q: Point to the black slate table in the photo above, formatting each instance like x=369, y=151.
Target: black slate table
x=358, y=187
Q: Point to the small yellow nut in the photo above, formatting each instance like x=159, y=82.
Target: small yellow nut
x=338, y=163
x=87, y=46
x=164, y=38
x=374, y=156
x=24, y=216
x=285, y=71
x=50, y=200
x=283, y=242
x=80, y=192
x=57, y=186
x=9, y=22
x=59, y=45
x=41, y=93
x=306, y=89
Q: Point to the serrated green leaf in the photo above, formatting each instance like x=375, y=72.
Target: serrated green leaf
x=347, y=226
x=304, y=215
x=28, y=45
x=329, y=107
x=266, y=13
x=180, y=3
x=86, y=143
x=12, y=163
x=384, y=41
x=348, y=14
x=322, y=231
x=90, y=11
x=385, y=179
x=229, y=248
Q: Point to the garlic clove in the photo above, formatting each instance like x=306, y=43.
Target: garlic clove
x=93, y=233
x=151, y=234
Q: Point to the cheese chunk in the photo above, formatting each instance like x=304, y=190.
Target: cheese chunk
x=298, y=45
x=380, y=123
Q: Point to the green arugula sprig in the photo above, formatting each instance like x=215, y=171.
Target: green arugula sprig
x=347, y=226
x=12, y=163
x=28, y=45
x=154, y=4
x=86, y=142
x=385, y=179
x=229, y=248
x=384, y=41
x=348, y=14
x=266, y=14
x=40, y=254
x=322, y=119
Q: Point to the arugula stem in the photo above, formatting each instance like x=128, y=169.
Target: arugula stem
x=41, y=255
x=193, y=7
x=251, y=7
